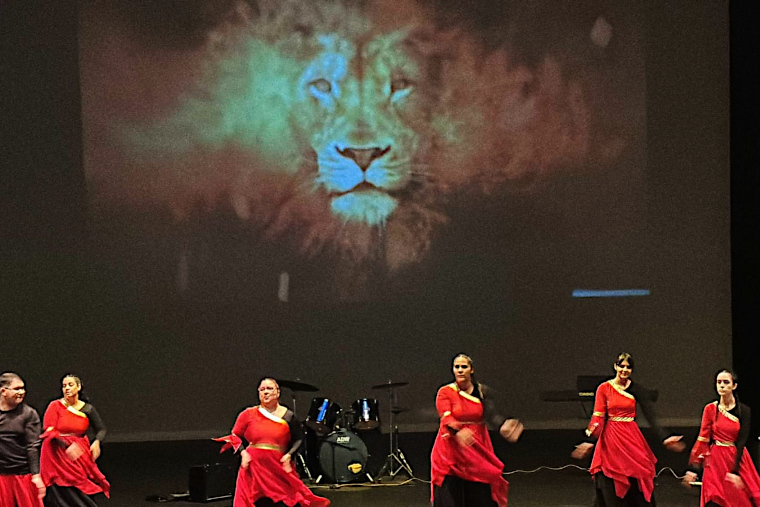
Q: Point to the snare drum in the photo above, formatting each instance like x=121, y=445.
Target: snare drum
x=366, y=414
x=323, y=416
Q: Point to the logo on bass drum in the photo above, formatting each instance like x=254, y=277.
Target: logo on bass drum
x=355, y=468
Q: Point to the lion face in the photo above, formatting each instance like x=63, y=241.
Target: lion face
x=366, y=107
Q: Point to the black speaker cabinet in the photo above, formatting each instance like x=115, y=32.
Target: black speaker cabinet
x=211, y=482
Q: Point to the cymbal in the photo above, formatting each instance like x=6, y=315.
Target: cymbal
x=390, y=385
x=294, y=385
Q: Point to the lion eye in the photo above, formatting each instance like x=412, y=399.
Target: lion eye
x=321, y=85
x=400, y=84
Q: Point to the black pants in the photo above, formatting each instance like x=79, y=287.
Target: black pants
x=456, y=492
x=266, y=502
x=60, y=496
x=604, y=494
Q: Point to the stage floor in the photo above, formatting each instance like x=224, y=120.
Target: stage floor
x=143, y=474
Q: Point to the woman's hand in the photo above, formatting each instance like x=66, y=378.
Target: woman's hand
x=465, y=437
x=40, y=485
x=286, y=464
x=511, y=430
x=735, y=480
x=582, y=450
x=95, y=449
x=674, y=443
x=688, y=478
x=74, y=451
x=245, y=459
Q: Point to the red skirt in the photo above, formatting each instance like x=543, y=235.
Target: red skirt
x=715, y=487
x=83, y=474
x=621, y=453
x=476, y=463
x=265, y=478
x=18, y=491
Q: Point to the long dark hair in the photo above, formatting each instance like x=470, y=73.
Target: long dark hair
x=476, y=391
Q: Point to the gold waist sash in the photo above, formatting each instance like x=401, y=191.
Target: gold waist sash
x=621, y=419
x=268, y=447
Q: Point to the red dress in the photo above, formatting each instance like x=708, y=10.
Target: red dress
x=621, y=451
x=476, y=463
x=65, y=425
x=268, y=437
x=18, y=490
x=715, y=449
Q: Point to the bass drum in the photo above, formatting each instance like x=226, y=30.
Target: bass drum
x=366, y=414
x=323, y=416
x=343, y=457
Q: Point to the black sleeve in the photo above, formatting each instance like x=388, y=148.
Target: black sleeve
x=96, y=423
x=296, y=432
x=741, y=440
x=644, y=400
x=33, y=442
x=490, y=414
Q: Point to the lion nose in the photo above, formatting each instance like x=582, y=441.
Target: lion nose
x=364, y=156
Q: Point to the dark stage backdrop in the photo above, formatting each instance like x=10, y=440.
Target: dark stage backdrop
x=347, y=193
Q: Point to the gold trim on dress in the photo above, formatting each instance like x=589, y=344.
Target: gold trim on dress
x=599, y=414
x=271, y=416
x=445, y=414
x=74, y=411
x=469, y=397
x=619, y=389
x=728, y=414
x=463, y=394
x=721, y=443
x=621, y=419
x=703, y=439
x=268, y=447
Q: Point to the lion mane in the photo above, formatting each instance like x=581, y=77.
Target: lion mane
x=346, y=126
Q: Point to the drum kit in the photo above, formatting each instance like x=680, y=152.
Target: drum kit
x=332, y=445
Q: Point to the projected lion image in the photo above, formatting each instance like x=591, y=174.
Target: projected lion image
x=346, y=127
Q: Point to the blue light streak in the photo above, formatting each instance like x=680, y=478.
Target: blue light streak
x=617, y=293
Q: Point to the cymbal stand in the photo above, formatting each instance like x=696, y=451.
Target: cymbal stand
x=299, y=454
x=395, y=462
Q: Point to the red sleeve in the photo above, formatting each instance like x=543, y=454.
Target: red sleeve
x=702, y=445
x=233, y=440
x=50, y=419
x=443, y=405
x=241, y=423
x=596, y=425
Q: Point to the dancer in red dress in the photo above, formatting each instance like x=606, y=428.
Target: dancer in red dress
x=729, y=478
x=465, y=471
x=267, y=475
x=68, y=457
x=623, y=464
x=20, y=481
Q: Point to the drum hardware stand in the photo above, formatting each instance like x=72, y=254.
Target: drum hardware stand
x=294, y=387
x=395, y=462
x=299, y=455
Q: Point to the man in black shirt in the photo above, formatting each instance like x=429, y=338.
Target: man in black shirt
x=20, y=481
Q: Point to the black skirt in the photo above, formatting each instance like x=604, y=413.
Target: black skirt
x=604, y=494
